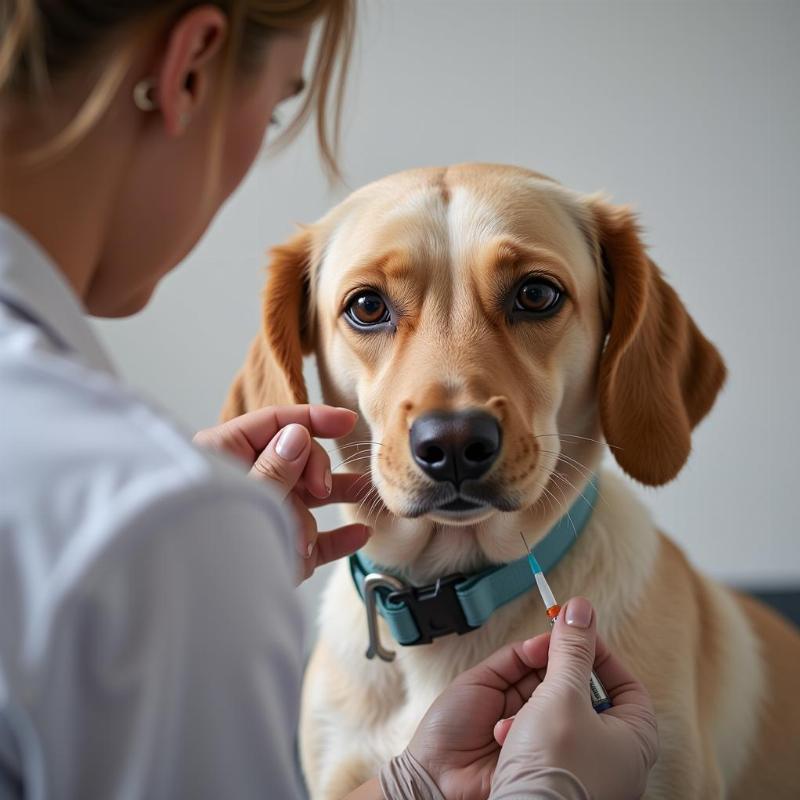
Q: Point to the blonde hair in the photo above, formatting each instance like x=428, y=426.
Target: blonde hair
x=41, y=41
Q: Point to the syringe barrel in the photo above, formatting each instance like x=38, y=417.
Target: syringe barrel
x=600, y=699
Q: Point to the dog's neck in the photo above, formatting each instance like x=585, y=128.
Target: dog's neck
x=459, y=603
x=611, y=563
x=421, y=551
x=548, y=550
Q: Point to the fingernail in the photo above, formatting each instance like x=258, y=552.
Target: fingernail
x=291, y=442
x=309, y=550
x=328, y=479
x=578, y=613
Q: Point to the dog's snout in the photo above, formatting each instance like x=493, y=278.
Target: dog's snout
x=455, y=446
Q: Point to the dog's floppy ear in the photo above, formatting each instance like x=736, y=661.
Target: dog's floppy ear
x=273, y=371
x=659, y=376
x=288, y=327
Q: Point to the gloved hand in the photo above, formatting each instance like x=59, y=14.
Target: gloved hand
x=610, y=753
x=554, y=745
x=276, y=444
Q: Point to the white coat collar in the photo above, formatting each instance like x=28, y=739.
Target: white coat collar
x=32, y=285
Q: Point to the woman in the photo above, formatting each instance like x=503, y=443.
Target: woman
x=150, y=643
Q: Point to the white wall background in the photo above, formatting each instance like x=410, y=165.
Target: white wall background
x=688, y=110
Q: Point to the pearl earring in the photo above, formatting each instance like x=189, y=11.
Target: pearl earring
x=143, y=95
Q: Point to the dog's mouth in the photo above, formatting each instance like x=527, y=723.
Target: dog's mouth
x=459, y=504
x=461, y=512
x=470, y=502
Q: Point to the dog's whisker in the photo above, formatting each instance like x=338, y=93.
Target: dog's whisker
x=564, y=499
x=547, y=498
x=355, y=456
x=544, y=489
x=555, y=499
x=367, y=496
x=366, y=476
x=366, y=444
x=559, y=504
x=560, y=477
x=364, y=489
x=586, y=475
x=566, y=506
x=374, y=507
x=364, y=479
x=577, y=436
x=367, y=489
x=347, y=463
x=581, y=469
x=577, y=465
x=352, y=459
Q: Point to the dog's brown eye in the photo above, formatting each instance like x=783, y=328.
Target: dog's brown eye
x=537, y=296
x=368, y=308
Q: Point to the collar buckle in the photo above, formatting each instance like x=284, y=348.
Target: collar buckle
x=436, y=608
x=372, y=584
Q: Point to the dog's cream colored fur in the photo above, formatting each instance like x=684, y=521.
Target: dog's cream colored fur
x=623, y=360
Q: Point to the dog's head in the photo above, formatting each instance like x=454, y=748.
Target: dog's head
x=491, y=328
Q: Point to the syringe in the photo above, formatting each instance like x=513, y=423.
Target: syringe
x=599, y=697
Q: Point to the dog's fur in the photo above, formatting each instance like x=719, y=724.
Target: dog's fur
x=622, y=361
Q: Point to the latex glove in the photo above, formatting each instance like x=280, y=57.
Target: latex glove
x=610, y=753
x=556, y=747
x=454, y=743
x=276, y=444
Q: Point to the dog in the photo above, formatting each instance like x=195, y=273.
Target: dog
x=494, y=330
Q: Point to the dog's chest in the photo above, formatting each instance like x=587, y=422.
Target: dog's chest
x=408, y=685
x=400, y=692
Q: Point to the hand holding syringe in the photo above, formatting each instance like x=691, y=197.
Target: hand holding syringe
x=597, y=692
x=549, y=739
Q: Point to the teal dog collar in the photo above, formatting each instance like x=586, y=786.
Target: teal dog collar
x=460, y=603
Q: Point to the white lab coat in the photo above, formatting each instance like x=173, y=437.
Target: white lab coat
x=150, y=638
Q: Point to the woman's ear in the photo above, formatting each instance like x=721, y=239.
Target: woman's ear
x=273, y=371
x=659, y=376
x=184, y=79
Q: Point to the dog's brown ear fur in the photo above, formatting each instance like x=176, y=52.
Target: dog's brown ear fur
x=659, y=376
x=273, y=370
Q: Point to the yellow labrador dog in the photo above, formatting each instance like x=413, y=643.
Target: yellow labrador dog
x=493, y=329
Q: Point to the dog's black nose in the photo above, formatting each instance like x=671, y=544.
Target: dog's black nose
x=455, y=446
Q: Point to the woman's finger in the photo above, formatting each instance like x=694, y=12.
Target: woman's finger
x=335, y=544
x=284, y=459
x=306, y=530
x=246, y=436
x=536, y=650
x=317, y=478
x=347, y=487
x=506, y=667
x=501, y=729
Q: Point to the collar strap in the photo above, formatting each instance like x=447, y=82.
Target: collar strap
x=460, y=603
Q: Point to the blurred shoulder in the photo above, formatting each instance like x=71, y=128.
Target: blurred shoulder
x=83, y=453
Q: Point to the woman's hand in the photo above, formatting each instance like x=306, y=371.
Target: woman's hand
x=611, y=753
x=544, y=720
x=276, y=444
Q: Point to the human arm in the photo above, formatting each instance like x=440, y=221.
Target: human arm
x=173, y=667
